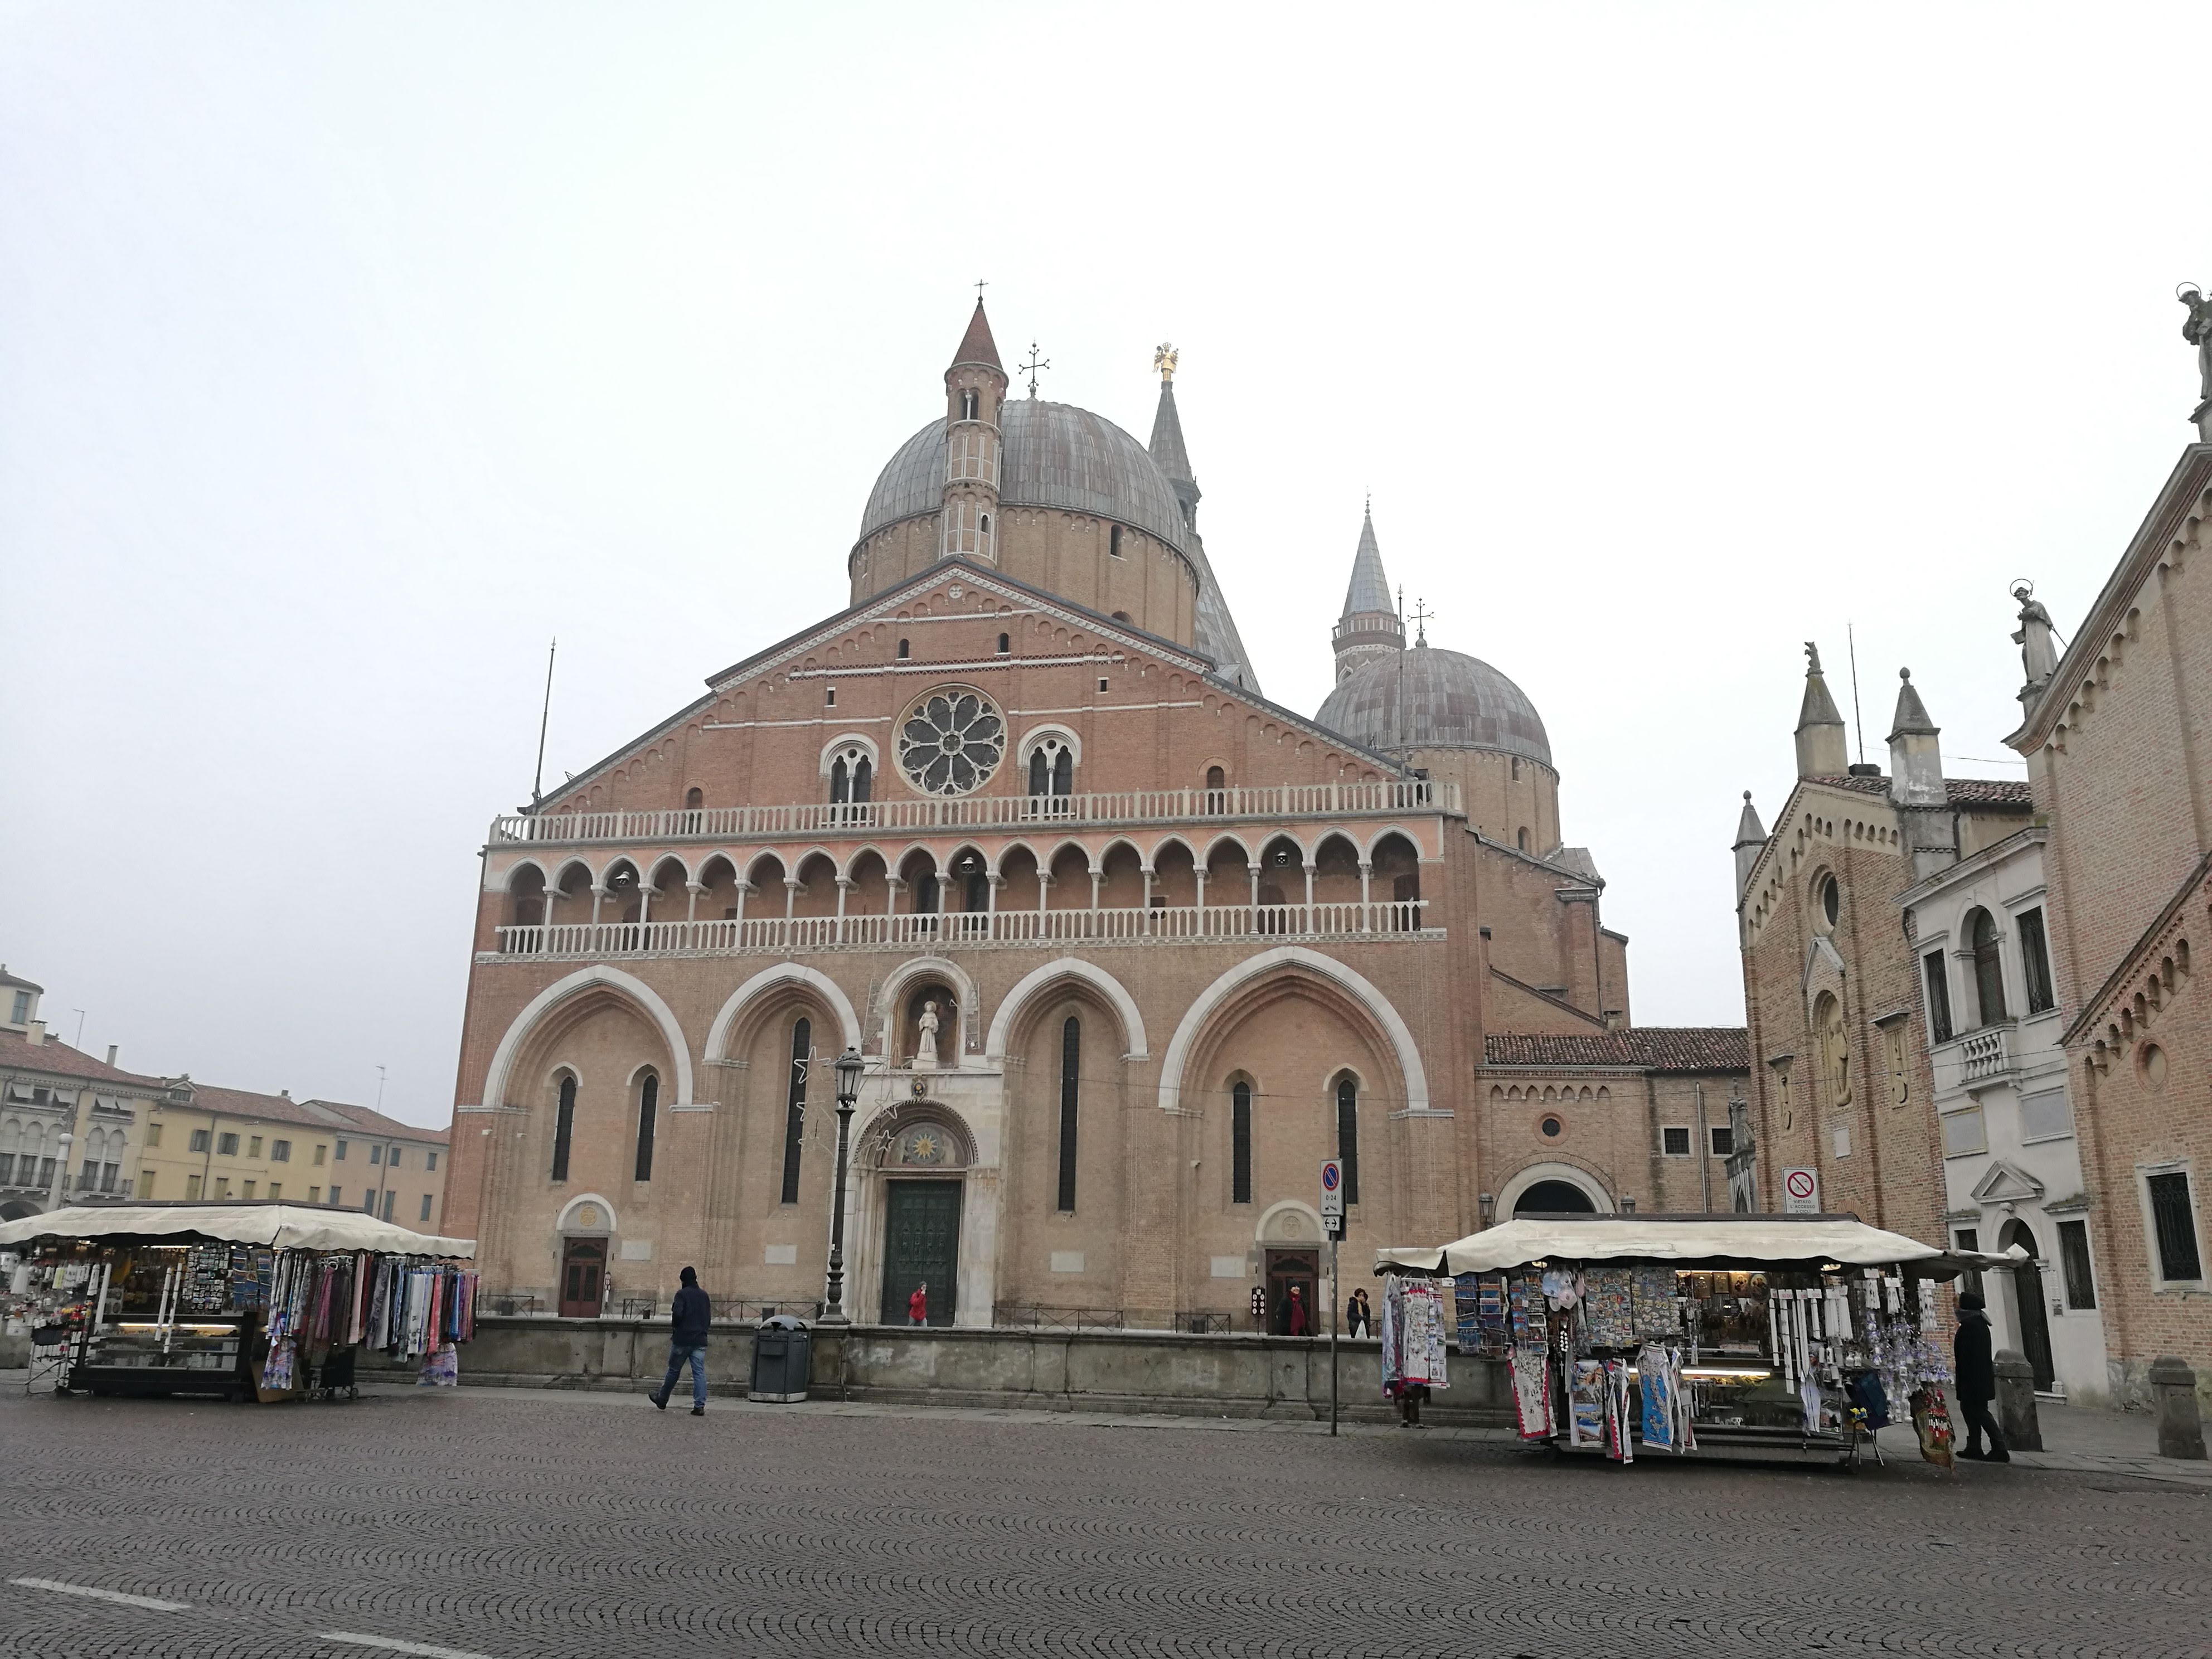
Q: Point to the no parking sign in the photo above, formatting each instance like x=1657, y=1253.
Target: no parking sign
x=1332, y=1198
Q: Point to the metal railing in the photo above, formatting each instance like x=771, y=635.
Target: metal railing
x=981, y=812
x=581, y=941
x=1200, y=1323
x=1029, y=1316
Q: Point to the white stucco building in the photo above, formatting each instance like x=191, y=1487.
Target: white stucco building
x=2012, y=1164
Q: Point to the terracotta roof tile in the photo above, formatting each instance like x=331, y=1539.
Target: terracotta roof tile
x=1647, y=1047
x=1965, y=792
x=17, y=1054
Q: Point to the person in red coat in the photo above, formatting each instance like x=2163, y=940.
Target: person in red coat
x=917, y=1305
x=1300, y=1326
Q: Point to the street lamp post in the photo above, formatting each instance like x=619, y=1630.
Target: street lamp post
x=849, y=1066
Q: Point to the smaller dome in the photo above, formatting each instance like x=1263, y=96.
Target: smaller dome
x=1452, y=702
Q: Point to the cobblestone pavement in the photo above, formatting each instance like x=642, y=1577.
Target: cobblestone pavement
x=496, y=1523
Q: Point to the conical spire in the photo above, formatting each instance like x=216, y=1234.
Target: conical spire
x=1820, y=749
x=1912, y=713
x=1750, y=839
x=1167, y=447
x=1169, y=454
x=1369, y=627
x=1749, y=829
x=1369, y=593
x=976, y=345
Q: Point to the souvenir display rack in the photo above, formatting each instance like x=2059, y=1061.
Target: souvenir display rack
x=165, y=1300
x=1731, y=1336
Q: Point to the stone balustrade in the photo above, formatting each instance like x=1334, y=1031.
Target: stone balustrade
x=779, y=935
x=984, y=812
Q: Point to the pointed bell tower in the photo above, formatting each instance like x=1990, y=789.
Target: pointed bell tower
x=974, y=392
x=1370, y=626
x=1822, y=751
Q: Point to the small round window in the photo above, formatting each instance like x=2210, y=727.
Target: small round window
x=950, y=742
x=1832, y=899
x=1552, y=1128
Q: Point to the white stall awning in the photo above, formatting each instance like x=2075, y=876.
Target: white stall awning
x=286, y=1226
x=1749, y=1239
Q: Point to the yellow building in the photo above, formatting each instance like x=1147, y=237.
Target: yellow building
x=72, y=1127
x=217, y=1144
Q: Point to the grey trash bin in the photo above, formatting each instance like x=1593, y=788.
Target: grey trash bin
x=781, y=1354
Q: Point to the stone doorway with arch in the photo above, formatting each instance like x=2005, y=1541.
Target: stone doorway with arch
x=2029, y=1318
x=918, y=1157
x=585, y=1230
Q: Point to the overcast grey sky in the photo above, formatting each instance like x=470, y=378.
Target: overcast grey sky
x=347, y=353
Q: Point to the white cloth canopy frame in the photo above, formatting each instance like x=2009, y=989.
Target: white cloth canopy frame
x=1751, y=1240
x=285, y=1226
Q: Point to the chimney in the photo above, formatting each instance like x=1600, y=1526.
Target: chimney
x=35, y=1033
x=111, y=1052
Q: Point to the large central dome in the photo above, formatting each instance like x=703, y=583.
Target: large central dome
x=1451, y=701
x=1053, y=455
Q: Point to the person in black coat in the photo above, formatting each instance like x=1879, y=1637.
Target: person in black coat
x=1977, y=1380
x=688, y=1316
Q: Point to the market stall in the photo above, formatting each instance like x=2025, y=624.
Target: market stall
x=1746, y=1336
x=245, y=1301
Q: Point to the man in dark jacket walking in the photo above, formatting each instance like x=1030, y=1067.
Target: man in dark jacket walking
x=1977, y=1380
x=688, y=1316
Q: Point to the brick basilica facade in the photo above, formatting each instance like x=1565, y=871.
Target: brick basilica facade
x=1128, y=949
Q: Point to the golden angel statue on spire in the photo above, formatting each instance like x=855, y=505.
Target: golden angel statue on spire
x=1164, y=362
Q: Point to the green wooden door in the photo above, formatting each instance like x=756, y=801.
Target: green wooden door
x=921, y=1245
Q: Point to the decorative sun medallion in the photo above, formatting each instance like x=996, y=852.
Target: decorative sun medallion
x=951, y=741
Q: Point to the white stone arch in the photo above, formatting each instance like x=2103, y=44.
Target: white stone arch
x=893, y=992
x=1235, y=841
x=568, y=864
x=1171, y=839
x=565, y=1222
x=784, y=972
x=506, y=881
x=1353, y=983
x=1018, y=845
x=853, y=861
x=584, y=979
x=1305, y=849
x=1042, y=979
x=846, y=741
x=1573, y=1173
x=608, y=869
x=752, y=860
x=1381, y=835
x=660, y=861
x=1144, y=861
x=1268, y=1228
x=1090, y=857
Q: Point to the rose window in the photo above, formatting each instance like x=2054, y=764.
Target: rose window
x=951, y=741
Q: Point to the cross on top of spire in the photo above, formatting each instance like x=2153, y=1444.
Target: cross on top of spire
x=1422, y=617
x=1031, y=366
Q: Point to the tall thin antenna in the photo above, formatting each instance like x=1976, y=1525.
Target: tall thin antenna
x=1852, y=641
x=537, y=779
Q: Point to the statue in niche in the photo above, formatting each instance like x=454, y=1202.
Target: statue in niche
x=925, y=1045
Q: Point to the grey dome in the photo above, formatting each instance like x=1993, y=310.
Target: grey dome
x=1052, y=455
x=1452, y=702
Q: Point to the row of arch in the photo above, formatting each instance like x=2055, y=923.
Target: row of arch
x=1339, y=980
x=1332, y=867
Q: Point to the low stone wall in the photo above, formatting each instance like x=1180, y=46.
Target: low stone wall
x=1124, y=1371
